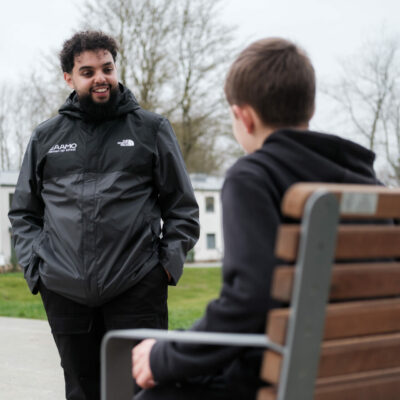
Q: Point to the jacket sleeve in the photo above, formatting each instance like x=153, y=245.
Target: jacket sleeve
x=250, y=221
x=26, y=214
x=179, y=209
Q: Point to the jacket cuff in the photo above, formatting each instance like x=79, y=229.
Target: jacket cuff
x=172, y=262
x=158, y=364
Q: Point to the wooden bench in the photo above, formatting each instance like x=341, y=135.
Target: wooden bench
x=339, y=336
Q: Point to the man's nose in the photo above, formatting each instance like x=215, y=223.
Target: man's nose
x=99, y=78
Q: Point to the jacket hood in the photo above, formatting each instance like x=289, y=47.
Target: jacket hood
x=126, y=103
x=332, y=151
x=292, y=156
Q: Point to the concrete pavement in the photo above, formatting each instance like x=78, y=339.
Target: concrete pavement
x=29, y=362
x=206, y=264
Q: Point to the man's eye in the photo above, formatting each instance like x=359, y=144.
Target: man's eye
x=108, y=70
x=86, y=73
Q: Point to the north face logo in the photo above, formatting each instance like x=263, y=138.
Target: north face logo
x=126, y=143
x=62, y=148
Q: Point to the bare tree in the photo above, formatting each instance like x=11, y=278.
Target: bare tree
x=369, y=95
x=203, y=52
x=144, y=31
x=50, y=89
x=12, y=117
x=25, y=105
x=391, y=128
x=5, y=161
x=174, y=55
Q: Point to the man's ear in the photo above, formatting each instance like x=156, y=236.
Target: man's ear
x=68, y=79
x=246, y=115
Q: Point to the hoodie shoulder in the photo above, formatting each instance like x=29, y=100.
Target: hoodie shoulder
x=249, y=167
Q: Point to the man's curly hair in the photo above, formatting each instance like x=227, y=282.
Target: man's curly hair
x=84, y=41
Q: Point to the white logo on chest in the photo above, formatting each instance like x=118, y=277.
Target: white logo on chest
x=126, y=143
x=62, y=148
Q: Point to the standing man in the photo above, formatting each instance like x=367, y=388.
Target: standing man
x=95, y=183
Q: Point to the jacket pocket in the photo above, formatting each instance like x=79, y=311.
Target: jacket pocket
x=37, y=243
x=31, y=272
x=155, y=229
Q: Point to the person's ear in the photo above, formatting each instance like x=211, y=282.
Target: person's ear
x=68, y=79
x=313, y=112
x=245, y=115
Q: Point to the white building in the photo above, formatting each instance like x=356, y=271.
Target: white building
x=8, y=181
x=207, y=190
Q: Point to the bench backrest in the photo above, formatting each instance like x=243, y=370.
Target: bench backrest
x=341, y=280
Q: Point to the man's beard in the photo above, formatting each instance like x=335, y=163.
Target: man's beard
x=99, y=111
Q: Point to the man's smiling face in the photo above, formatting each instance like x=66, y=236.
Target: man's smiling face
x=94, y=74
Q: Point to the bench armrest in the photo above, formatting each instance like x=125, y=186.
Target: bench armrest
x=116, y=378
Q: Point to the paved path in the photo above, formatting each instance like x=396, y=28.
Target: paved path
x=207, y=264
x=29, y=362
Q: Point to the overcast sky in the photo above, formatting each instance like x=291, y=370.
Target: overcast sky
x=329, y=30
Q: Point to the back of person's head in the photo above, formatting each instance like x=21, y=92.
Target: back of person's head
x=277, y=79
x=85, y=41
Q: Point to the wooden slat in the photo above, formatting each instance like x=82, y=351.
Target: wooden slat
x=287, y=242
x=271, y=367
x=388, y=204
x=369, y=389
x=349, y=281
x=345, y=319
x=381, y=384
x=353, y=242
x=346, y=356
x=371, y=385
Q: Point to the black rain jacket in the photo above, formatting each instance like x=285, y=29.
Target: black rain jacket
x=90, y=197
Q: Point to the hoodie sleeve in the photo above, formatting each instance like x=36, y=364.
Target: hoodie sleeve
x=26, y=214
x=250, y=221
x=179, y=209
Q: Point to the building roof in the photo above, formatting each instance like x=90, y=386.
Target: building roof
x=206, y=182
x=8, y=178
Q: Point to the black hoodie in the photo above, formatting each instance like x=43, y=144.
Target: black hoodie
x=89, y=199
x=251, y=198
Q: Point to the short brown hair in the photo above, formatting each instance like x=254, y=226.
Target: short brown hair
x=277, y=79
x=85, y=41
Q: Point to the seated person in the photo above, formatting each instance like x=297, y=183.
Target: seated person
x=271, y=91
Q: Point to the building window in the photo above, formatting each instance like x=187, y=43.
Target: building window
x=211, y=241
x=210, y=204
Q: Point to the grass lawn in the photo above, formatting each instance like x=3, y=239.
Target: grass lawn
x=16, y=300
x=187, y=301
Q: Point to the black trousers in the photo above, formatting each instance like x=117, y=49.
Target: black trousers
x=78, y=329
